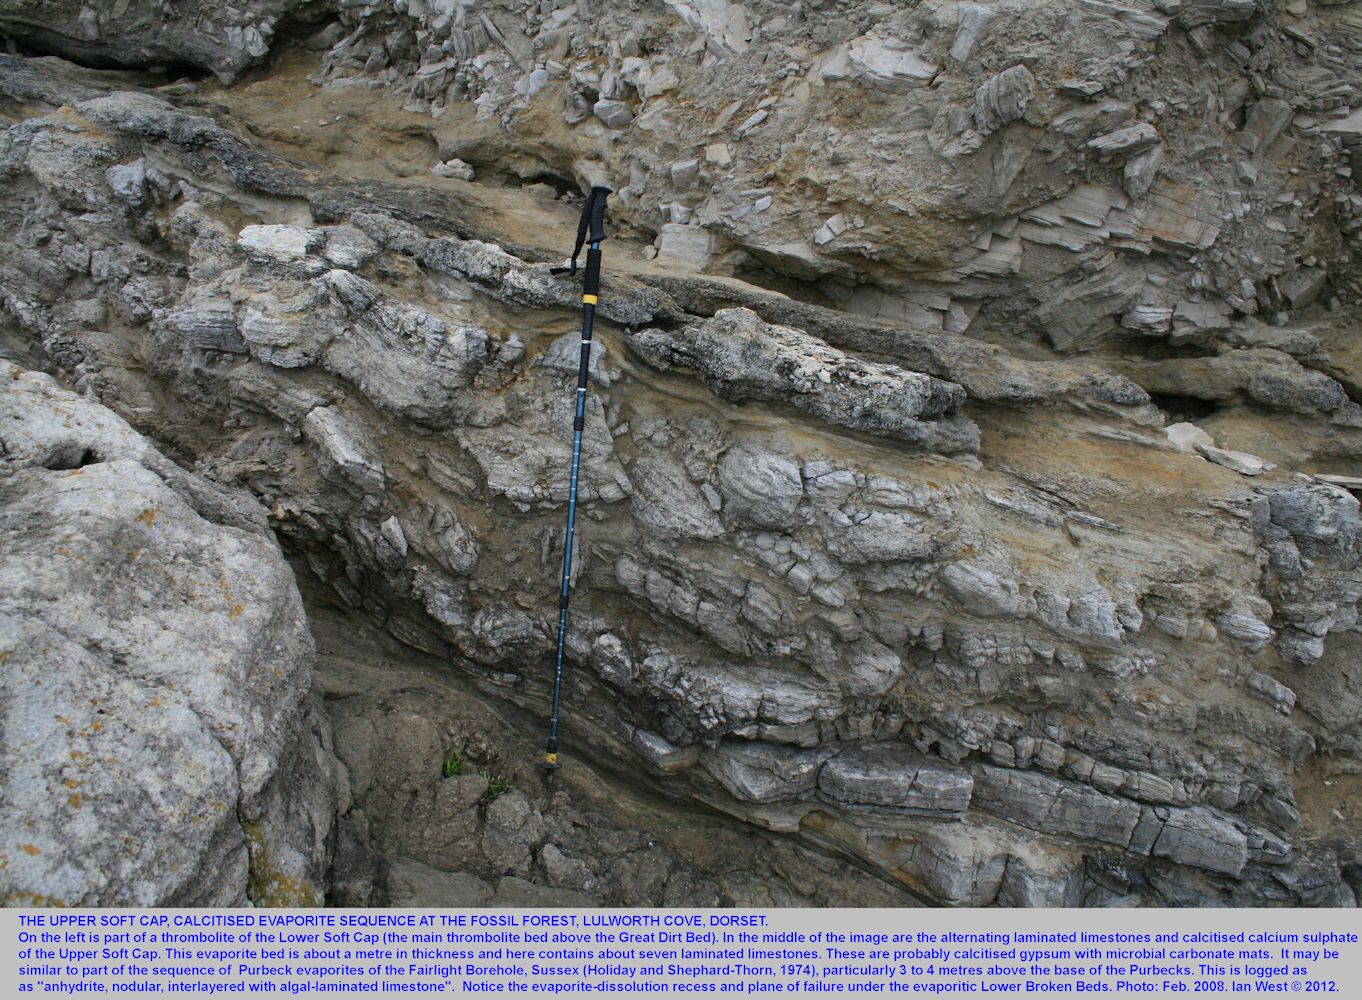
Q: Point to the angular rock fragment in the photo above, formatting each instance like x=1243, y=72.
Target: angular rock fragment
x=400, y=356
x=883, y=62
x=974, y=19
x=129, y=181
x=1053, y=806
x=722, y=22
x=615, y=114
x=1003, y=98
x=719, y=697
x=1147, y=319
x=207, y=324
x=1267, y=119
x=1187, y=437
x=832, y=228
x=1236, y=461
x=881, y=536
x=1303, y=286
x=691, y=247
x=1317, y=513
x=1126, y=141
x=868, y=669
x=345, y=446
x=455, y=168
x=684, y=172
x=1192, y=13
x=1140, y=171
x=982, y=589
x=662, y=754
x=666, y=499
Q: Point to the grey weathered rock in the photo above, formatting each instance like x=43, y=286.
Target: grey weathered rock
x=401, y=356
x=1003, y=98
x=158, y=749
x=225, y=40
x=1140, y=171
x=208, y=324
x=1125, y=141
x=881, y=61
x=1315, y=513
x=894, y=778
x=565, y=355
x=1201, y=838
x=1045, y=803
x=277, y=244
x=1236, y=461
x=615, y=114
x=1265, y=122
x=684, y=172
x=412, y=884
x=455, y=168
x=1250, y=630
x=1187, y=437
x=512, y=832
x=345, y=447
x=981, y=589
x=740, y=357
x=689, y=246
x=760, y=772
x=665, y=499
x=129, y=181
x=974, y=20
x=760, y=486
x=1197, y=12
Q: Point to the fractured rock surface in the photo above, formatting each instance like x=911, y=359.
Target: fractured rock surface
x=160, y=747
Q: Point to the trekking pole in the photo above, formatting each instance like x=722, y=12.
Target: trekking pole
x=592, y=223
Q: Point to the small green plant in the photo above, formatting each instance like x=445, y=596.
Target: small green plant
x=497, y=786
x=453, y=765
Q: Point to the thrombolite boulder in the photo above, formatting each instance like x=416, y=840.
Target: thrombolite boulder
x=885, y=551
x=159, y=745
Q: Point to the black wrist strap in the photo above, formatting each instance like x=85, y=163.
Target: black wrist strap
x=591, y=223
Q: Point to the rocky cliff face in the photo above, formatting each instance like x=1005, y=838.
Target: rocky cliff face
x=970, y=443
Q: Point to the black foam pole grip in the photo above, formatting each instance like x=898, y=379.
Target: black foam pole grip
x=591, y=282
x=597, y=223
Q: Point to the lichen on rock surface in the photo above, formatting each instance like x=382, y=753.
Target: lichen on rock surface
x=968, y=500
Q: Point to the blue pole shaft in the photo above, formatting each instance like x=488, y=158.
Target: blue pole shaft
x=564, y=593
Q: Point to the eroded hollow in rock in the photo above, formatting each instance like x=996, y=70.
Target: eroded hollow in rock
x=70, y=456
x=1183, y=408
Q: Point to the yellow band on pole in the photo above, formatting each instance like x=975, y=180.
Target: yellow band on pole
x=550, y=758
x=590, y=299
